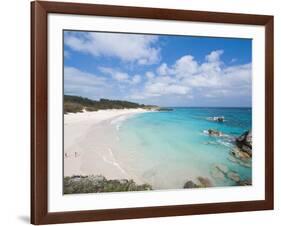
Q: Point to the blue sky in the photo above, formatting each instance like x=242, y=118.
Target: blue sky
x=164, y=70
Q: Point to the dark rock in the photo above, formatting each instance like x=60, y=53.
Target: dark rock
x=216, y=119
x=190, y=184
x=244, y=142
x=222, y=168
x=232, y=159
x=213, y=132
x=220, y=119
x=245, y=182
x=205, y=182
x=240, y=154
x=243, y=150
x=233, y=176
x=217, y=174
x=247, y=163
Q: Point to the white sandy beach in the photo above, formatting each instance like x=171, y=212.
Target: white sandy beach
x=87, y=140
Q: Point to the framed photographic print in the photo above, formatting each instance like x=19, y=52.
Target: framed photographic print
x=147, y=112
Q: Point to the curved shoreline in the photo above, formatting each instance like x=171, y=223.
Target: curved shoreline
x=95, y=145
x=88, y=141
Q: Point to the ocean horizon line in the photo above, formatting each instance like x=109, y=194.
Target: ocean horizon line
x=202, y=107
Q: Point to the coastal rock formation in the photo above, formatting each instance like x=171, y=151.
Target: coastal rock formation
x=98, y=183
x=242, y=152
x=247, y=164
x=217, y=174
x=216, y=119
x=213, y=132
x=190, y=184
x=203, y=182
x=244, y=142
x=245, y=182
x=222, y=168
x=233, y=176
x=222, y=172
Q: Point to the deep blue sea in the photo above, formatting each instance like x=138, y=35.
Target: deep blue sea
x=166, y=149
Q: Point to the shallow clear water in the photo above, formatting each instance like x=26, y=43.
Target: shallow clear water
x=166, y=149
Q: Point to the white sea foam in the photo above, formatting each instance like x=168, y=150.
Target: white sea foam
x=216, y=119
x=114, y=162
x=205, y=132
x=227, y=144
x=118, y=121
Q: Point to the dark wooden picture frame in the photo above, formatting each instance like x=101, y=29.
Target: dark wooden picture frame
x=39, y=112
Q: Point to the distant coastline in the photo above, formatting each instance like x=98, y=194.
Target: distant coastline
x=74, y=104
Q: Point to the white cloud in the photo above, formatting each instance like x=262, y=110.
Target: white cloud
x=105, y=70
x=157, y=86
x=127, y=47
x=75, y=76
x=116, y=75
x=214, y=56
x=66, y=54
x=80, y=82
x=159, y=89
x=187, y=77
x=149, y=75
x=136, y=79
x=163, y=69
x=119, y=76
x=185, y=66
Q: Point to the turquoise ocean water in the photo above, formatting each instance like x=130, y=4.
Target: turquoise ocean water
x=166, y=149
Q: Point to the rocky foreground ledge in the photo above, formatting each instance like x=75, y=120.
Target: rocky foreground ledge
x=242, y=152
x=97, y=183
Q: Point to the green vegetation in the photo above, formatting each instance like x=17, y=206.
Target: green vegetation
x=75, y=104
x=72, y=107
x=97, y=184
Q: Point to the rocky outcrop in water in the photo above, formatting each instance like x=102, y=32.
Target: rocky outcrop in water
x=217, y=174
x=216, y=119
x=223, y=168
x=222, y=172
x=202, y=182
x=245, y=182
x=190, y=184
x=244, y=142
x=205, y=182
x=247, y=164
x=213, y=132
x=242, y=152
x=233, y=176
